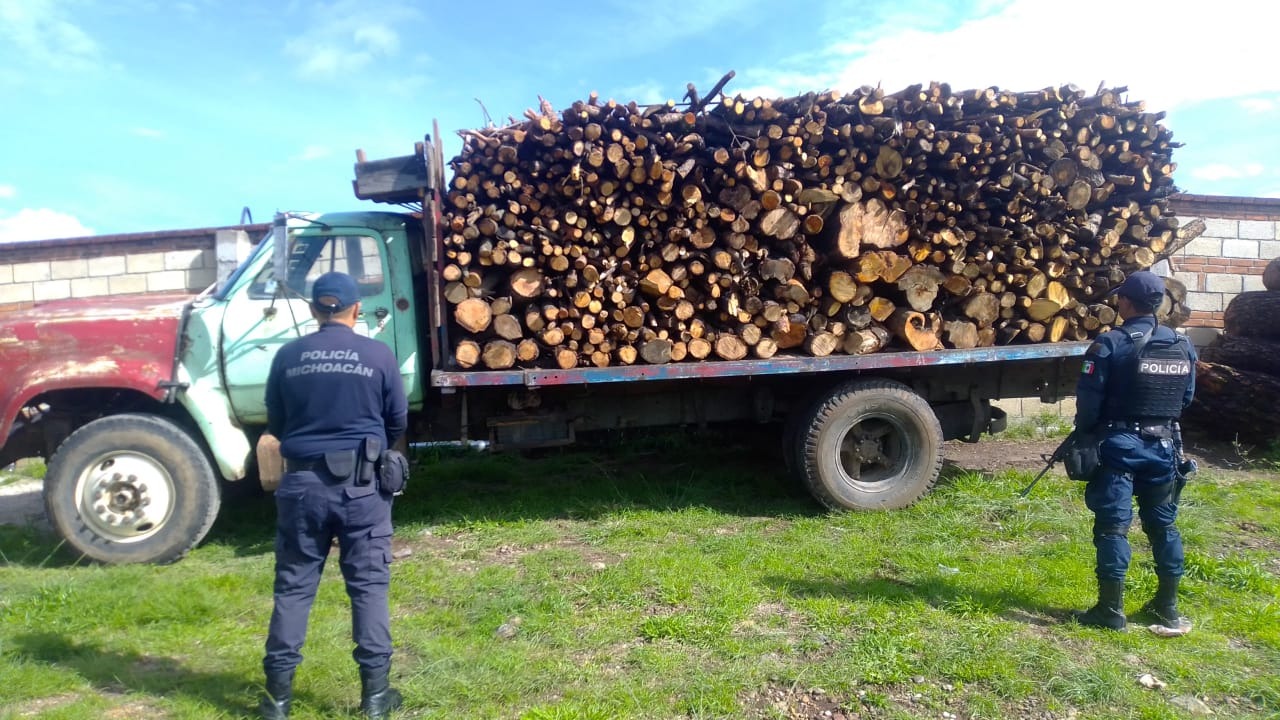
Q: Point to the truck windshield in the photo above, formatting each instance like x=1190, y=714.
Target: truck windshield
x=311, y=255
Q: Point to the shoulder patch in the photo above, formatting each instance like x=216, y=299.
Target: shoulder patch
x=1088, y=367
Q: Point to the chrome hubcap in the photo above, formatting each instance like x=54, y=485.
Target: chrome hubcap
x=125, y=497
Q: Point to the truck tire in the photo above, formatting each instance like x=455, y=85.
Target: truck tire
x=131, y=489
x=870, y=445
x=796, y=421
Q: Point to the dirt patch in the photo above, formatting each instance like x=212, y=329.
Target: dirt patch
x=996, y=455
x=919, y=698
x=776, y=701
x=461, y=551
x=40, y=706
x=135, y=710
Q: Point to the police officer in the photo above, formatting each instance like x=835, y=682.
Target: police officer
x=1134, y=383
x=329, y=395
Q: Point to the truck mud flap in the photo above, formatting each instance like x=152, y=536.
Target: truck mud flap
x=960, y=420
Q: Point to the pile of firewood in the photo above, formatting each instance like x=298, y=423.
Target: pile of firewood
x=733, y=227
x=1238, y=378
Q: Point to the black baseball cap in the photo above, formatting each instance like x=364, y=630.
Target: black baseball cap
x=334, y=292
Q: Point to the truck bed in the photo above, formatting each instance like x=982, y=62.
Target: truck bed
x=781, y=365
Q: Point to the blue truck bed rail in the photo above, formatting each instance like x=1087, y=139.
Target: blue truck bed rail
x=780, y=365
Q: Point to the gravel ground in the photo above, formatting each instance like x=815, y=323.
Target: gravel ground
x=20, y=503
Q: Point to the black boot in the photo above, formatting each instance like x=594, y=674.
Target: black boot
x=377, y=697
x=1109, y=612
x=1164, y=606
x=275, y=704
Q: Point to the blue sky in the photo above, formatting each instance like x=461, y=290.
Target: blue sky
x=137, y=115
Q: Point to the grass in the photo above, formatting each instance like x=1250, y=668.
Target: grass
x=671, y=577
x=20, y=471
x=1037, y=427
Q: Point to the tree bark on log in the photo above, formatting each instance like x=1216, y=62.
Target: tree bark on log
x=1254, y=314
x=1233, y=404
x=1271, y=276
x=1245, y=353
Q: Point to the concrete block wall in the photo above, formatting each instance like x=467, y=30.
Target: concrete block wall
x=177, y=270
x=1241, y=236
x=1227, y=260
x=171, y=261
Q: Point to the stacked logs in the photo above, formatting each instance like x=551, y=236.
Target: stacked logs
x=1238, y=378
x=730, y=227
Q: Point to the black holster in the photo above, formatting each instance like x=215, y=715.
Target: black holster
x=369, y=454
x=393, y=472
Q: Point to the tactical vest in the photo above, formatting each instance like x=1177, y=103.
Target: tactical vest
x=1150, y=385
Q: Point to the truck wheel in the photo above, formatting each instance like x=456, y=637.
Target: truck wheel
x=792, y=442
x=131, y=489
x=871, y=445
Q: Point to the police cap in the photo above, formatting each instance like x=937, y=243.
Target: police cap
x=334, y=292
x=1144, y=288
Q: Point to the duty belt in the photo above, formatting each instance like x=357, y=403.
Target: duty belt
x=312, y=465
x=1149, y=430
x=1136, y=425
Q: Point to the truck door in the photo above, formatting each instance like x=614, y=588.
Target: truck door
x=265, y=316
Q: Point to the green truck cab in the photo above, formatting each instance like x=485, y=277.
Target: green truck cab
x=232, y=334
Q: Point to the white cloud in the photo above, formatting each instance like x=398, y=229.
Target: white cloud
x=1259, y=105
x=1223, y=171
x=1028, y=44
x=8, y=191
x=40, y=224
x=43, y=38
x=346, y=36
x=315, y=152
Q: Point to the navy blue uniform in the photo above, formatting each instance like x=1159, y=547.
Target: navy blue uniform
x=326, y=393
x=1132, y=466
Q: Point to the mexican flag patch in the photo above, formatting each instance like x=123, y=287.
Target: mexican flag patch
x=1087, y=368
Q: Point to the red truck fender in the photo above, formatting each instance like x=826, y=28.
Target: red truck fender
x=123, y=342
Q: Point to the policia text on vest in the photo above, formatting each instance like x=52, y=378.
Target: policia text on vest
x=351, y=364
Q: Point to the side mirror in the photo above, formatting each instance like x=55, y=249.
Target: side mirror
x=280, y=250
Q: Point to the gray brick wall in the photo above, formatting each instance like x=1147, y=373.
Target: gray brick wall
x=191, y=271
x=181, y=260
